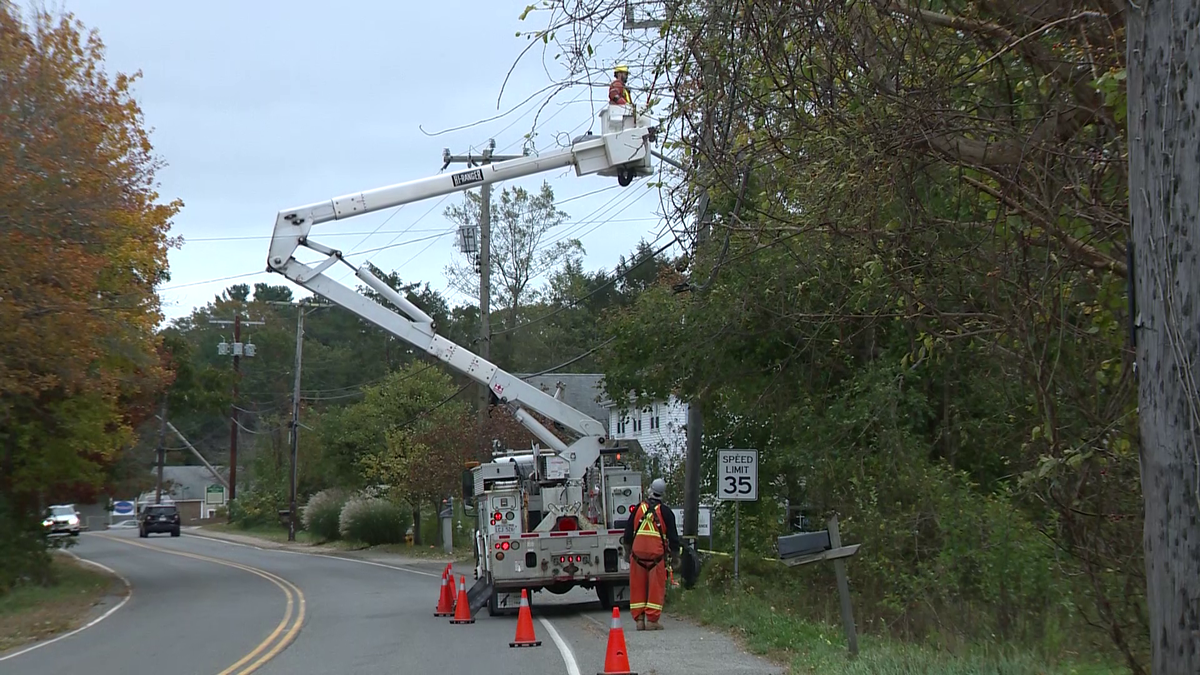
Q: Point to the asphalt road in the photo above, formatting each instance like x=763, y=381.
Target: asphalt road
x=210, y=607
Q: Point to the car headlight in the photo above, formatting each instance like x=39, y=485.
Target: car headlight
x=47, y=522
x=72, y=520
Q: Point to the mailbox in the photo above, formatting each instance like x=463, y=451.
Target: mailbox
x=803, y=543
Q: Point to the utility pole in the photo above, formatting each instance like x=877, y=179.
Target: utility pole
x=295, y=425
x=162, y=450
x=237, y=349
x=484, y=266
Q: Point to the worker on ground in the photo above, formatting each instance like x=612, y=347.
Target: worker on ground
x=618, y=91
x=650, y=535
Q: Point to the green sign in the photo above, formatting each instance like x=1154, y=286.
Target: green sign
x=214, y=494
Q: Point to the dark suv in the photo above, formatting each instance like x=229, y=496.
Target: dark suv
x=159, y=518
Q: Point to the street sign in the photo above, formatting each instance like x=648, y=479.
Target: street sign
x=737, y=475
x=122, y=508
x=703, y=526
x=214, y=494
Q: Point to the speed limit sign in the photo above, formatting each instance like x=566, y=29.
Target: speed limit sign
x=737, y=475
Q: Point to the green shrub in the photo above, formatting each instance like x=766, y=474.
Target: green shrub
x=322, y=514
x=373, y=521
x=257, y=507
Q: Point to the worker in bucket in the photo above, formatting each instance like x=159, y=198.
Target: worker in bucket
x=650, y=535
x=618, y=91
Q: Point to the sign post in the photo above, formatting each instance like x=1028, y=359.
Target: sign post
x=214, y=495
x=737, y=481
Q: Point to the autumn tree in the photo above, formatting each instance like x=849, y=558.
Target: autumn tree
x=83, y=243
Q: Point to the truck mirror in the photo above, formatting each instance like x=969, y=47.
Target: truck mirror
x=468, y=492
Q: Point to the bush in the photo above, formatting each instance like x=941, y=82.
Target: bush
x=323, y=512
x=373, y=521
x=257, y=507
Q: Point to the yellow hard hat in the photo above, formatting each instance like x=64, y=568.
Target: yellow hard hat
x=621, y=69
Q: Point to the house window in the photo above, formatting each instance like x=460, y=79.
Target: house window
x=654, y=423
x=621, y=427
x=637, y=422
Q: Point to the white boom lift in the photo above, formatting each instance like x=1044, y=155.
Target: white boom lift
x=563, y=505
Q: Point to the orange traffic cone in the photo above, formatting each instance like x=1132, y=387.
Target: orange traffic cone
x=616, y=658
x=462, y=608
x=525, y=636
x=445, y=606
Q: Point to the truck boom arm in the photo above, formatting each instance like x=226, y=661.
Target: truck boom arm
x=624, y=152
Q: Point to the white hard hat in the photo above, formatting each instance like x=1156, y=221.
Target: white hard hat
x=658, y=488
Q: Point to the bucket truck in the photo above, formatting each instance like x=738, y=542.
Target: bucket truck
x=549, y=518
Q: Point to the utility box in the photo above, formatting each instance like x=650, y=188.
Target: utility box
x=623, y=493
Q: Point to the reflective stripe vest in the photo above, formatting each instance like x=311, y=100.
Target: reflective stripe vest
x=650, y=527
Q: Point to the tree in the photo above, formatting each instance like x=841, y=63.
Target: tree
x=521, y=248
x=83, y=243
x=915, y=207
x=1164, y=111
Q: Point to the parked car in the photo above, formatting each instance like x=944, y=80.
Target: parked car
x=159, y=518
x=63, y=519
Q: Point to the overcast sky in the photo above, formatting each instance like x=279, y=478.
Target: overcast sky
x=259, y=106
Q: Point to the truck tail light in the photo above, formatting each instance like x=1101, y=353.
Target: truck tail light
x=504, y=546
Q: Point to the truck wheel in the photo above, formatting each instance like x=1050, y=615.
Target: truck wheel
x=604, y=592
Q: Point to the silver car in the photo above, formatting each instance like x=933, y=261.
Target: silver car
x=63, y=519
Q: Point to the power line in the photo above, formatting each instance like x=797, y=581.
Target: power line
x=582, y=356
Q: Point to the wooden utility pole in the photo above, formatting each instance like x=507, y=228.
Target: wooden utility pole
x=1163, y=49
x=485, y=262
x=237, y=349
x=233, y=411
x=295, y=425
x=162, y=450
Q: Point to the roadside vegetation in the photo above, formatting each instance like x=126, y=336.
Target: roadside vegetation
x=791, y=615
x=37, y=611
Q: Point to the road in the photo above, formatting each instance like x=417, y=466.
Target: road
x=208, y=607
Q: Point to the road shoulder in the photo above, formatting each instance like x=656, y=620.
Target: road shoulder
x=85, y=592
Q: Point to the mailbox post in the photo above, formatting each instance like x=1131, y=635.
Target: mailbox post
x=803, y=548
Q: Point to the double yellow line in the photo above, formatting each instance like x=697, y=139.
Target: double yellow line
x=279, y=639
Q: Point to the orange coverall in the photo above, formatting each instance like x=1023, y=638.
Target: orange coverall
x=618, y=93
x=653, y=537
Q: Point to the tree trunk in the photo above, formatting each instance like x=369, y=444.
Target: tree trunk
x=416, y=516
x=1164, y=172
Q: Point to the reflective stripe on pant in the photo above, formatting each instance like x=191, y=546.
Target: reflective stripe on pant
x=647, y=588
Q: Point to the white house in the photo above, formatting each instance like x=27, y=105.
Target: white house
x=659, y=427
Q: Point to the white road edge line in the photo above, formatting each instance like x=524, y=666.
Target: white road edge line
x=319, y=555
x=93, y=622
x=563, y=647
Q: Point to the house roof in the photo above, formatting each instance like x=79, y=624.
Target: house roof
x=187, y=483
x=582, y=391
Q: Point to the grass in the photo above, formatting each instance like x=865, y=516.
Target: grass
x=31, y=613
x=811, y=648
